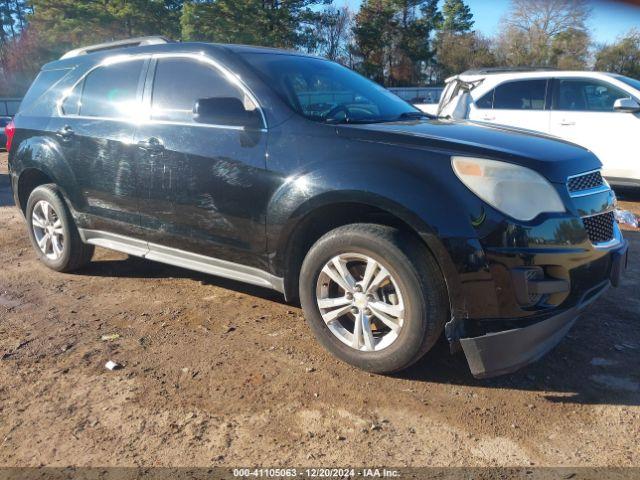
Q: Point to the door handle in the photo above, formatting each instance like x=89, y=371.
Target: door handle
x=151, y=145
x=65, y=133
x=567, y=123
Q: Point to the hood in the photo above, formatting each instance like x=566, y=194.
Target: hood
x=555, y=159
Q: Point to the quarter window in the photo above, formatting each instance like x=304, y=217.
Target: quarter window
x=587, y=95
x=110, y=91
x=71, y=104
x=180, y=82
x=523, y=95
x=486, y=101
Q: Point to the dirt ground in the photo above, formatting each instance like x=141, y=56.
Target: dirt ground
x=218, y=373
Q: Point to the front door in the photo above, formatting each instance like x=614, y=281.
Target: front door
x=204, y=188
x=583, y=114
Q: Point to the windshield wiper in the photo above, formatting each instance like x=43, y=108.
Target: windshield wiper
x=411, y=115
x=352, y=121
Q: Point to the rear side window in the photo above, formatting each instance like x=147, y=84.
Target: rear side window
x=587, y=95
x=180, y=82
x=522, y=95
x=43, y=82
x=111, y=91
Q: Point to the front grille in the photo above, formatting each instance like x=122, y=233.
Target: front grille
x=585, y=182
x=599, y=227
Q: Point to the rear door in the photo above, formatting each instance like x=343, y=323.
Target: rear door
x=583, y=113
x=204, y=188
x=516, y=103
x=95, y=131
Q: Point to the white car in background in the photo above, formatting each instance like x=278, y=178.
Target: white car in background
x=599, y=111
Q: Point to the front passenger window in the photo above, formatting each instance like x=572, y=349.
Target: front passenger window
x=180, y=82
x=587, y=96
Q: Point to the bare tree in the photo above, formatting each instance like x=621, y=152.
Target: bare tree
x=532, y=28
x=337, y=33
x=549, y=17
x=328, y=33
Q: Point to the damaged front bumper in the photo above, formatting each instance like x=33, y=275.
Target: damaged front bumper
x=505, y=351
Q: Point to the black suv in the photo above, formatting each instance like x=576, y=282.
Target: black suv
x=294, y=173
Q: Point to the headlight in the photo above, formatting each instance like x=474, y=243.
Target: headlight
x=516, y=191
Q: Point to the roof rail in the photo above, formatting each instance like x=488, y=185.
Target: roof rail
x=130, y=42
x=486, y=71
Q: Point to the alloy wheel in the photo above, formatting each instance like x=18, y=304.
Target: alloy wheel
x=360, y=302
x=47, y=229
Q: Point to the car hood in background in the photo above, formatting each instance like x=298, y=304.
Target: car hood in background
x=550, y=156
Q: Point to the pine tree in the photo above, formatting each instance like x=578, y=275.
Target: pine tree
x=393, y=39
x=373, y=32
x=66, y=24
x=456, y=17
x=257, y=22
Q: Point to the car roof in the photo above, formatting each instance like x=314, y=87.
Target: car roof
x=499, y=76
x=169, y=47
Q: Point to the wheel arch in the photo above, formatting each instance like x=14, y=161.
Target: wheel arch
x=38, y=161
x=28, y=180
x=332, y=210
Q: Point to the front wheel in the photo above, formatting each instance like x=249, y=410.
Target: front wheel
x=373, y=296
x=53, y=232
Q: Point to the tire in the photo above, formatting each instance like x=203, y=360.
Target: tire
x=69, y=252
x=418, y=297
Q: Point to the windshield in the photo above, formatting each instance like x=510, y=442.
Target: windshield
x=632, y=82
x=324, y=91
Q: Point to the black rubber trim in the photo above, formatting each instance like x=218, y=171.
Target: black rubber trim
x=505, y=352
x=498, y=353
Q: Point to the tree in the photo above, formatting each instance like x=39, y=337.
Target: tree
x=330, y=34
x=460, y=52
x=535, y=30
x=417, y=20
x=145, y=17
x=259, y=22
x=622, y=57
x=457, y=47
x=38, y=33
x=373, y=32
x=67, y=24
x=456, y=17
x=392, y=37
x=21, y=61
x=570, y=50
x=14, y=72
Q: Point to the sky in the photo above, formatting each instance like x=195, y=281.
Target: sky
x=609, y=19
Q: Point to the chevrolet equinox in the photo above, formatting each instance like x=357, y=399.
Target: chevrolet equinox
x=294, y=173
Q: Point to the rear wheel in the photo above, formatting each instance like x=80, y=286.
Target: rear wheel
x=53, y=232
x=373, y=296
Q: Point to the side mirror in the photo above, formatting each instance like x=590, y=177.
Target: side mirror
x=628, y=105
x=226, y=111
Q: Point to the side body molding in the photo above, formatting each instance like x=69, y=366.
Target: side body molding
x=183, y=259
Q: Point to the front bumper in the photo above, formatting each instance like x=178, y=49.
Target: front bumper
x=506, y=351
